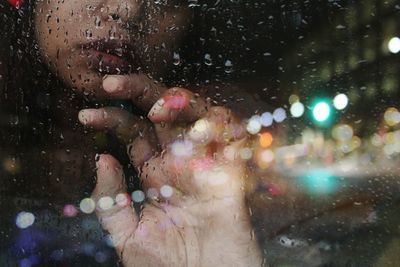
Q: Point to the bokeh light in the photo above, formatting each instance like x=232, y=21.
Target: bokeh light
x=376, y=140
x=122, y=199
x=254, y=125
x=266, y=119
x=394, y=45
x=265, y=139
x=138, y=196
x=279, y=115
x=392, y=116
x=182, y=148
x=264, y=158
x=342, y=132
x=246, y=153
x=319, y=181
x=70, y=210
x=166, y=191
x=340, y=101
x=24, y=219
x=293, y=99
x=201, y=131
x=87, y=205
x=297, y=110
x=321, y=111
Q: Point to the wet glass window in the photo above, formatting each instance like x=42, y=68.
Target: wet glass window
x=199, y=133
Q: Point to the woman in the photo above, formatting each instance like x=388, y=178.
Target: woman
x=83, y=41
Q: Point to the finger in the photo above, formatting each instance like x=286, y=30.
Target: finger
x=115, y=213
x=196, y=151
x=122, y=123
x=142, y=149
x=142, y=90
x=220, y=126
x=162, y=178
x=177, y=105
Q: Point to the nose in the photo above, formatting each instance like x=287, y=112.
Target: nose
x=123, y=10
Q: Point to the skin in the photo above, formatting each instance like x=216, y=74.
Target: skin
x=202, y=223
x=64, y=28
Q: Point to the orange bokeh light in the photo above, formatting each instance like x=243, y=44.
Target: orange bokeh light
x=266, y=139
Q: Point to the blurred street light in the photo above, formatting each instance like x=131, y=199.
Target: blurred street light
x=394, y=45
x=321, y=111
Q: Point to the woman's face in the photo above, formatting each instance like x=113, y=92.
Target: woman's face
x=82, y=40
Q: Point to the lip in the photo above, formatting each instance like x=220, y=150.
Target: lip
x=110, y=56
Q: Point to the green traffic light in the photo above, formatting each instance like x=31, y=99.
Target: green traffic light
x=321, y=111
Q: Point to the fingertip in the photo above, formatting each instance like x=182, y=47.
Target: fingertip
x=91, y=117
x=157, y=111
x=107, y=162
x=112, y=84
x=82, y=117
x=110, y=177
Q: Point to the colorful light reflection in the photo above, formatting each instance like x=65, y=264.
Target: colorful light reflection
x=321, y=111
x=319, y=182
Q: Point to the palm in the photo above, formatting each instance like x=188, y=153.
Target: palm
x=202, y=222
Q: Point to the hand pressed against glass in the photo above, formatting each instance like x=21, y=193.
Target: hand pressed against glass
x=197, y=217
x=195, y=214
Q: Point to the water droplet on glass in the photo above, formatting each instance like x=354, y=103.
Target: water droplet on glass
x=228, y=66
x=207, y=60
x=176, y=59
x=97, y=22
x=193, y=3
x=88, y=34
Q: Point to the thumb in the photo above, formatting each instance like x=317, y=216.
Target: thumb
x=113, y=205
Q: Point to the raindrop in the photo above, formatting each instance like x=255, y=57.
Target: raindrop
x=207, y=60
x=88, y=34
x=193, y=3
x=97, y=22
x=176, y=59
x=228, y=66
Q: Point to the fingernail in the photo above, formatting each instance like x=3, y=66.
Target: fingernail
x=82, y=117
x=112, y=84
x=87, y=116
x=157, y=109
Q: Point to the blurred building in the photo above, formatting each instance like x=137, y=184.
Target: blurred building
x=352, y=51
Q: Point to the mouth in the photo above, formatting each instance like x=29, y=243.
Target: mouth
x=111, y=57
